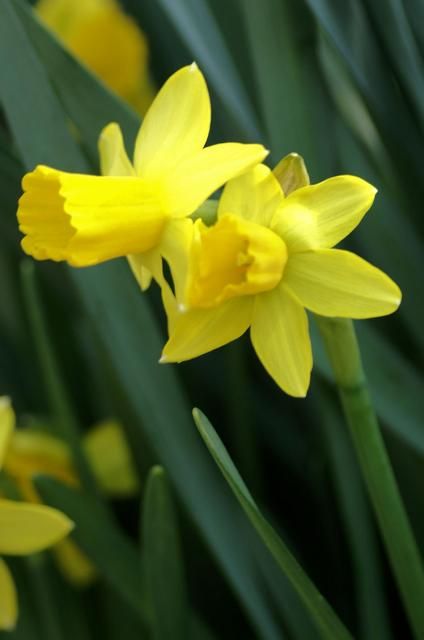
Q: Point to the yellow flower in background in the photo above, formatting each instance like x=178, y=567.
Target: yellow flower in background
x=31, y=452
x=108, y=41
x=139, y=211
x=266, y=260
x=110, y=459
x=24, y=528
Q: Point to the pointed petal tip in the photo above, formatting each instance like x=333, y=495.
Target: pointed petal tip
x=108, y=128
x=193, y=67
x=4, y=402
x=163, y=359
x=71, y=525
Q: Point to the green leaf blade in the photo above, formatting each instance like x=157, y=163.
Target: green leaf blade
x=162, y=560
x=324, y=617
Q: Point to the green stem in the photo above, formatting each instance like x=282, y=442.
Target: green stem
x=358, y=524
x=342, y=347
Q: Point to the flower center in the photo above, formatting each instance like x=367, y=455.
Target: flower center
x=233, y=258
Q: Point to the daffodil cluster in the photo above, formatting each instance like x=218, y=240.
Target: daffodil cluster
x=268, y=257
x=32, y=451
x=24, y=528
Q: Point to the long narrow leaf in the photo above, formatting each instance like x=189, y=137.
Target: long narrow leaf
x=197, y=26
x=324, y=617
x=162, y=560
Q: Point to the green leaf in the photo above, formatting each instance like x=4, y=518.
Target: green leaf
x=197, y=26
x=28, y=624
x=391, y=25
x=87, y=101
x=362, y=153
x=287, y=80
x=50, y=625
x=52, y=125
x=162, y=560
x=347, y=25
x=57, y=395
x=113, y=554
x=323, y=615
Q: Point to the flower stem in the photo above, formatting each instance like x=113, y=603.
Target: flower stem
x=342, y=347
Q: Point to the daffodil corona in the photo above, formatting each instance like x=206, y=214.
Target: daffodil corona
x=267, y=259
x=141, y=210
x=24, y=528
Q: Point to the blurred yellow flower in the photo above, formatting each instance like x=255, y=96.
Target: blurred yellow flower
x=108, y=41
x=267, y=258
x=24, y=528
x=141, y=211
x=32, y=452
x=110, y=459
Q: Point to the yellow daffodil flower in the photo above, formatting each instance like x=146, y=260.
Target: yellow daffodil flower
x=31, y=452
x=266, y=260
x=107, y=40
x=139, y=211
x=24, y=528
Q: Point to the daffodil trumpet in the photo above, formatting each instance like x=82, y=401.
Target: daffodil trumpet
x=138, y=210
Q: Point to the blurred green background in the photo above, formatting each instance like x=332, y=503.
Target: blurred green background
x=342, y=84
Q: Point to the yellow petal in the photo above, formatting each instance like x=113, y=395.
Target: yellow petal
x=199, y=331
x=338, y=283
x=176, y=126
x=321, y=215
x=195, y=179
x=114, y=160
x=8, y=599
x=174, y=247
x=63, y=16
x=88, y=219
x=112, y=45
x=280, y=336
x=28, y=528
x=74, y=564
x=7, y=424
x=146, y=266
x=105, y=38
x=110, y=459
x=291, y=173
x=255, y=195
x=31, y=452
